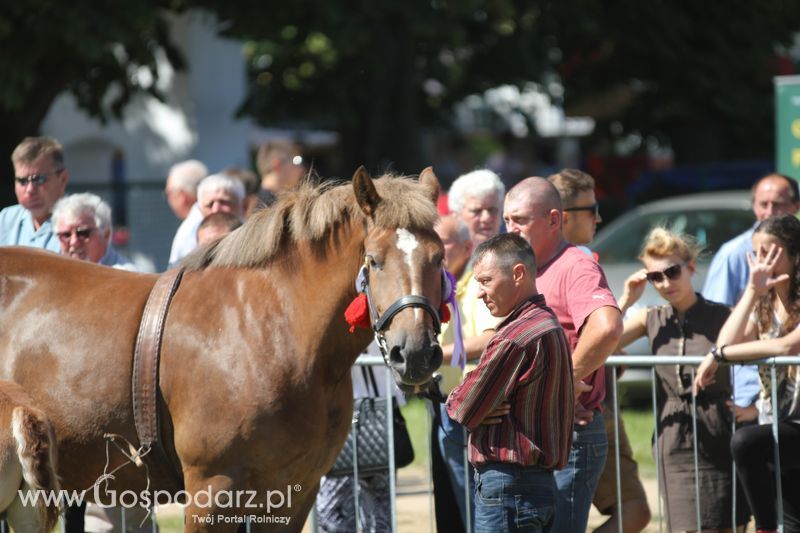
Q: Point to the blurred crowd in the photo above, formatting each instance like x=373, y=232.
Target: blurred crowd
x=523, y=395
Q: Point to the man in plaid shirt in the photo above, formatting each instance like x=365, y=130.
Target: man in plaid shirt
x=518, y=404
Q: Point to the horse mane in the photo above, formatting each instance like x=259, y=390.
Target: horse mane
x=311, y=212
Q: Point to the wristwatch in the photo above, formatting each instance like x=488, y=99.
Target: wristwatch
x=718, y=353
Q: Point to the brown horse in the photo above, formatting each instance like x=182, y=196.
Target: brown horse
x=27, y=461
x=255, y=391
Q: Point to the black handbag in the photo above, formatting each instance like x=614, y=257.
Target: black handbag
x=369, y=431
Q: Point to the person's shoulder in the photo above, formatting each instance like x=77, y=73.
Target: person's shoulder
x=536, y=320
x=11, y=212
x=570, y=258
x=734, y=245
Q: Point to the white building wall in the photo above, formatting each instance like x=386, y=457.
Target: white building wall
x=196, y=120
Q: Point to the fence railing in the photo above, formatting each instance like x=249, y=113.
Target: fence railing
x=693, y=361
x=644, y=361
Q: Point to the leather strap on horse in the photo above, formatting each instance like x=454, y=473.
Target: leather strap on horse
x=145, y=369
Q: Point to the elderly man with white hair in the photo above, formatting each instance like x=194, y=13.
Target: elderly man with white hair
x=477, y=199
x=218, y=193
x=82, y=223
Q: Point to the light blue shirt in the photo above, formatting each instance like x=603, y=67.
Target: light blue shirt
x=16, y=229
x=115, y=259
x=726, y=280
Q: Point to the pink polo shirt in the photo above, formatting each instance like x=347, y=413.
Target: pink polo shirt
x=574, y=286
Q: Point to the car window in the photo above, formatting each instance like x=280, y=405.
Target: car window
x=711, y=228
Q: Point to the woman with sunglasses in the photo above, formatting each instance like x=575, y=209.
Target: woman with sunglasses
x=687, y=324
x=765, y=323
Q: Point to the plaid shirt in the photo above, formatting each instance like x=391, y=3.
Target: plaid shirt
x=528, y=364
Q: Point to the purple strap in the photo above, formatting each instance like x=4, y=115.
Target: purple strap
x=459, y=354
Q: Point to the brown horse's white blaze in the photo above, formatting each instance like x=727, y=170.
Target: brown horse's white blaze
x=410, y=262
x=27, y=461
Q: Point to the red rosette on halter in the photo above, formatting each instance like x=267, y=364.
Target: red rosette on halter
x=357, y=313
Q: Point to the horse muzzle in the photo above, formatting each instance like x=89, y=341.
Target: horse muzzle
x=414, y=364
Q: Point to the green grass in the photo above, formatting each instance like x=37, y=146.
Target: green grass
x=639, y=426
x=416, y=412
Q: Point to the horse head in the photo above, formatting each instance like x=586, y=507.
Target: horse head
x=403, y=278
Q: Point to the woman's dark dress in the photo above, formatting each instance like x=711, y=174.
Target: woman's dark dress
x=695, y=334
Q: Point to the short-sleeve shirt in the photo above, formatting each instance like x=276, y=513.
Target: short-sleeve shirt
x=575, y=286
x=16, y=229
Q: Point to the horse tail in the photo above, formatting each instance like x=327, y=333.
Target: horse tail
x=36, y=451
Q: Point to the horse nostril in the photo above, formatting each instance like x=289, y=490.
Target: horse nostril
x=436, y=357
x=396, y=356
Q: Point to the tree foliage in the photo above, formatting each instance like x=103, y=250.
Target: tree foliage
x=103, y=53
x=697, y=74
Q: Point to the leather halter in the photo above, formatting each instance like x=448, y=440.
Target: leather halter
x=380, y=322
x=147, y=355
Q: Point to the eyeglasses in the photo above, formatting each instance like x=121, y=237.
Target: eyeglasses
x=34, y=179
x=81, y=234
x=672, y=273
x=595, y=207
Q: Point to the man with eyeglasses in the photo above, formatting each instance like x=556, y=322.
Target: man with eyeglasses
x=82, y=223
x=579, y=225
x=576, y=289
x=581, y=213
x=40, y=179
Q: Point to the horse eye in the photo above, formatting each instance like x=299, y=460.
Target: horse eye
x=373, y=263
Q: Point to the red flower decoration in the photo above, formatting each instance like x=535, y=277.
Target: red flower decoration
x=357, y=313
x=445, y=313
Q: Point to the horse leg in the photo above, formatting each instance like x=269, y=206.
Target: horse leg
x=211, y=507
x=35, y=471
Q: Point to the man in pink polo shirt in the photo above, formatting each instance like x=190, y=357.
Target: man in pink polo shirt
x=576, y=290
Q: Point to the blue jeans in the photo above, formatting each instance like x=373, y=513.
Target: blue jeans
x=577, y=481
x=512, y=497
x=452, y=447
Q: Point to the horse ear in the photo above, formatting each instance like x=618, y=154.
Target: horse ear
x=429, y=181
x=366, y=194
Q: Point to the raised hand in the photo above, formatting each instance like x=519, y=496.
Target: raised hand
x=762, y=266
x=634, y=288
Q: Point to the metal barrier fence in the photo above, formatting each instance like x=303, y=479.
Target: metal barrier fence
x=648, y=361
x=693, y=361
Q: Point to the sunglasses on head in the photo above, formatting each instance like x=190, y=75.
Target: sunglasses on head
x=672, y=273
x=595, y=208
x=80, y=233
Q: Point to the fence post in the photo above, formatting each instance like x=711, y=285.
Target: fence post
x=777, y=461
x=617, y=473
x=696, y=462
x=390, y=429
x=658, y=454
